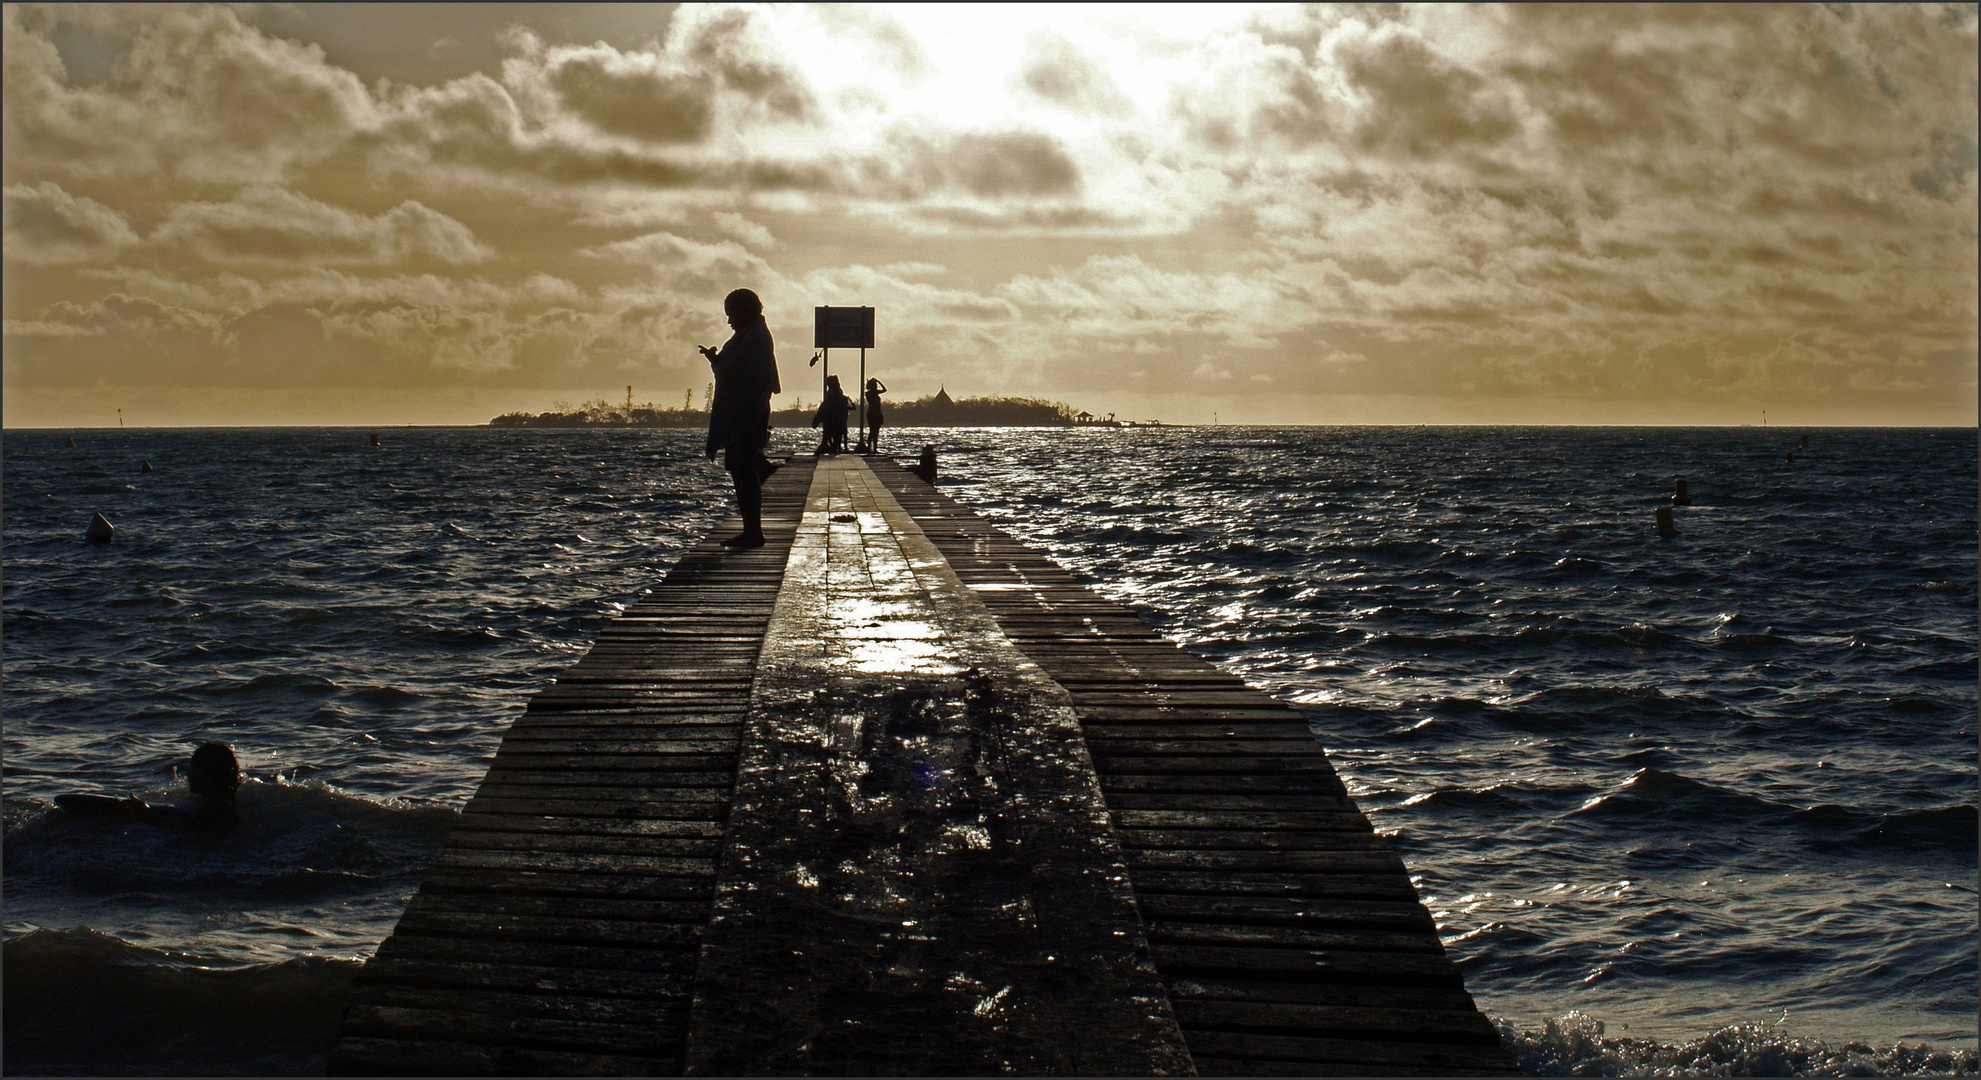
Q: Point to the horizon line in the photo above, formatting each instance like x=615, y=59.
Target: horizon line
x=1039, y=427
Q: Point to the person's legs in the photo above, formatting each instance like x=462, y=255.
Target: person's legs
x=873, y=436
x=745, y=467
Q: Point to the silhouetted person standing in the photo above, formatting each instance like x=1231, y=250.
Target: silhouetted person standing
x=739, y=417
x=832, y=417
x=874, y=390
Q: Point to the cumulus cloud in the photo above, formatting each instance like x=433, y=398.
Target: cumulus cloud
x=197, y=96
x=273, y=225
x=1059, y=72
x=1593, y=204
x=45, y=224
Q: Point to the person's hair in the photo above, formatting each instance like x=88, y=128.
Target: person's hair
x=742, y=302
x=214, y=772
x=832, y=380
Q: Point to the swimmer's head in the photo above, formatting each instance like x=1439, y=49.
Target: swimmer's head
x=214, y=773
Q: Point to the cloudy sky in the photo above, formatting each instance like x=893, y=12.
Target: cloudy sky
x=306, y=214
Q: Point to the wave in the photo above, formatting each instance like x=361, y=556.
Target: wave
x=1599, y=696
x=1574, y=1044
x=385, y=697
x=1954, y=830
x=1146, y=537
x=1962, y=671
x=85, y=1003
x=296, y=841
x=287, y=684
x=1652, y=794
x=1498, y=799
x=1655, y=796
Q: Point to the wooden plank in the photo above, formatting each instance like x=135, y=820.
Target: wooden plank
x=1422, y=1025
x=1314, y=801
x=592, y=826
x=699, y=887
x=1240, y=819
x=573, y=863
x=1293, y=937
x=1201, y=988
x=542, y=785
x=1252, y=840
x=501, y=905
x=364, y=1055
x=449, y=973
x=1208, y=746
x=1285, y=911
x=1239, y=784
x=609, y=769
x=528, y=734
x=670, y=959
x=1413, y=1054
x=581, y=842
x=1396, y=968
x=1336, y=862
x=481, y=926
x=660, y=1013
x=698, y=804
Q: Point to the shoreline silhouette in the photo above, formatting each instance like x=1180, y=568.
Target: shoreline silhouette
x=935, y=410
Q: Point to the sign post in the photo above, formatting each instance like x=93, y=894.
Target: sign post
x=845, y=328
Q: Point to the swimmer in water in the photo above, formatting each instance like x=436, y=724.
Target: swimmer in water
x=214, y=777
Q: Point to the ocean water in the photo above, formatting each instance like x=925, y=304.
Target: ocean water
x=1703, y=805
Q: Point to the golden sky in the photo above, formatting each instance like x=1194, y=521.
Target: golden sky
x=367, y=214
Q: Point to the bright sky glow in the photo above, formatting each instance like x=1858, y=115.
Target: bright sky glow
x=1278, y=214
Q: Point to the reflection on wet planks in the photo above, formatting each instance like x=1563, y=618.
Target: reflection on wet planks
x=1287, y=932
x=559, y=931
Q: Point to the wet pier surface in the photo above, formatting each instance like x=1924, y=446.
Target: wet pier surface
x=895, y=794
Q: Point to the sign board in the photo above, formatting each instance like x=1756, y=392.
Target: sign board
x=843, y=328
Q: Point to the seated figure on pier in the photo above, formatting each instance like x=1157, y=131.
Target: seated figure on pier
x=214, y=777
x=739, y=418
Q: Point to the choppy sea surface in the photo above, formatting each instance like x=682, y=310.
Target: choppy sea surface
x=1703, y=805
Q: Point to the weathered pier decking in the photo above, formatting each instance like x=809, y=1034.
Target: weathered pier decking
x=896, y=794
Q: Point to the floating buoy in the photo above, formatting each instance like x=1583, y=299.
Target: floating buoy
x=72, y=440
x=1791, y=457
x=145, y=466
x=1680, y=496
x=374, y=440
x=1666, y=527
x=100, y=530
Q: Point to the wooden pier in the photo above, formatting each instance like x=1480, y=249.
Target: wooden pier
x=895, y=794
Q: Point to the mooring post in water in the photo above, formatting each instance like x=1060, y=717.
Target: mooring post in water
x=1666, y=527
x=1680, y=496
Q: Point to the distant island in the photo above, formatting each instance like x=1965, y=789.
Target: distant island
x=937, y=410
